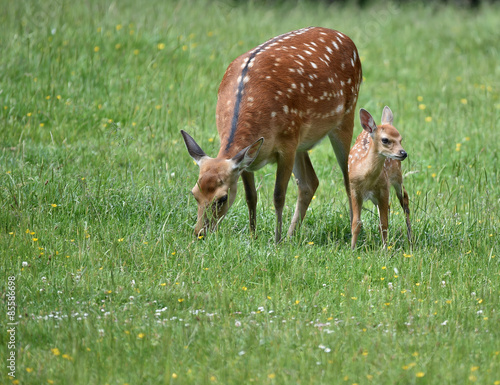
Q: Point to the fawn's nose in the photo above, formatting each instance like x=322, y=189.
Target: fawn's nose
x=403, y=154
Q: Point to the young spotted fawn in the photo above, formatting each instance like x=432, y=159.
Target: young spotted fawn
x=275, y=103
x=375, y=165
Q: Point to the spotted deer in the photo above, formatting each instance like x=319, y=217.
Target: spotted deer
x=375, y=165
x=275, y=103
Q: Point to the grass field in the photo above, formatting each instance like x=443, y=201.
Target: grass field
x=96, y=217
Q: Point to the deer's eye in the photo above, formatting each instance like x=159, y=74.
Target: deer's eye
x=222, y=200
x=385, y=141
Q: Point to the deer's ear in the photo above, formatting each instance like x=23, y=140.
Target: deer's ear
x=367, y=121
x=194, y=150
x=387, y=117
x=245, y=157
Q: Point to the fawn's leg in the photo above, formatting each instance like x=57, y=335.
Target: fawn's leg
x=404, y=201
x=356, y=224
x=383, y=212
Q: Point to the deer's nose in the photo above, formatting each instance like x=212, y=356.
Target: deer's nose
x=200, y=232
x=403, y=154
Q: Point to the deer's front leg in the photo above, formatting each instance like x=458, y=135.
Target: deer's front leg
x=251, y=198
x=283, y=173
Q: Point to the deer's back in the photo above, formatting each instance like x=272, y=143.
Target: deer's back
x=291, y=90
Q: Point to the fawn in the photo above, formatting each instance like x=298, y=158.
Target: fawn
x=275, y=103
x=375, y=165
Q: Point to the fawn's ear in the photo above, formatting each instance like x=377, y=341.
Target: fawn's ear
x=245, y=157
x=194, y=150
x=367, y=121
x=387, y=117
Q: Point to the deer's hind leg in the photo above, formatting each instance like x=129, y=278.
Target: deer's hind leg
x=307, y=183
x=340, y=138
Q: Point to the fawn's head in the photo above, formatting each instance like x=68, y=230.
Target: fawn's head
x=386, y=138
x=216, y=187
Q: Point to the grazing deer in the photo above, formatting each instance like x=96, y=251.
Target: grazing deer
x=375, y=165
x=275, y=103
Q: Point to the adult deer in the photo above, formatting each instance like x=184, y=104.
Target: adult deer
x=375, y=165
x=275, y=103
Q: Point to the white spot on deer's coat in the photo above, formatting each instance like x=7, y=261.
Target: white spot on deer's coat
x=354, y=55
x=246, y=79
x=314, y=65
x=339, y=108
x=285, y=109
x=352, y=62
x=329, y=49
x=273, y=114
x=335, y=45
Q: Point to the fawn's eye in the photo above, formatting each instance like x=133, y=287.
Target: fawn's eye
x=385, y=141
x=222, y=200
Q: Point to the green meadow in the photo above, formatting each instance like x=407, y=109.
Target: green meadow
x=96, y=216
